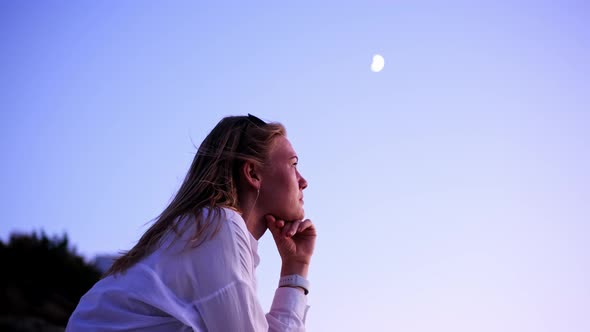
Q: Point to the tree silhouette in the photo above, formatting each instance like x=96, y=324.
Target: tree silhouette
x=42, y=278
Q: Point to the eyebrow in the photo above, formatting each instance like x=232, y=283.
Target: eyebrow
x=294, y=157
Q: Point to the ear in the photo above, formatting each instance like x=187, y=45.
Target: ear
x=251, y=174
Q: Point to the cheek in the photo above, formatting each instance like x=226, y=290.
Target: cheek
x=284, y=179
x=281, y=184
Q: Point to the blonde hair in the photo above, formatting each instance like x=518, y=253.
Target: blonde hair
x=211, y=182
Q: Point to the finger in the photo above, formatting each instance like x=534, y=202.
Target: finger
x=293, y=227
x=286, y=229
x=276, y=226
x=270, y=219
x=280, y=224
x=272, y=225
x=304, y=225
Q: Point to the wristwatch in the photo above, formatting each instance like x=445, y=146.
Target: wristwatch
x=294, y=280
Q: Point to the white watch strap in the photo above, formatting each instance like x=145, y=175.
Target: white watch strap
x=294, y=280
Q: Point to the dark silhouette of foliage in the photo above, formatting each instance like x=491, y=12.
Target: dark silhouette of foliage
x=42, y=278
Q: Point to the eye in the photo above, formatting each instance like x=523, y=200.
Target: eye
x=295, y=164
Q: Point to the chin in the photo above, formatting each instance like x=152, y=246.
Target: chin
x=291, y=216
x=300, y=215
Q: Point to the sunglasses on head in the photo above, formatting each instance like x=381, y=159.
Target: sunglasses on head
x=256, y=120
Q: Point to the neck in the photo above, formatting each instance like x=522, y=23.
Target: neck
x=253, y=217
x=255, y=223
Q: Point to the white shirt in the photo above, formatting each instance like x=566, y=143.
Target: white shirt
x=211, y=287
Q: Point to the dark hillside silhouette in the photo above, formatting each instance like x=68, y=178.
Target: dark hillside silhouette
x=41, y=282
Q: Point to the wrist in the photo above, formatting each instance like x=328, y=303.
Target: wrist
x=295, y=281
x=299, y=268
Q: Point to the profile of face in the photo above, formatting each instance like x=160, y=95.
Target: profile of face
x=281, y=187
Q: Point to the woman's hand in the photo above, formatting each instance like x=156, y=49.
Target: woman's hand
x=295, y=241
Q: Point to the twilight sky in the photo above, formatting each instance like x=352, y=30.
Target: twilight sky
x=450, y=190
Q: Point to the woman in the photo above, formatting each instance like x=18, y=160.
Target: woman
x=194, y=268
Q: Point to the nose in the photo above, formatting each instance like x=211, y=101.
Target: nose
x=302, y=182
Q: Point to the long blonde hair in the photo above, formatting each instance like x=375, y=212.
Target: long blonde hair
x=211, y=182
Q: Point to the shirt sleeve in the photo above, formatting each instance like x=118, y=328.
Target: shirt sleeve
x=288, y=310
x=233, y=305
x=236, y=308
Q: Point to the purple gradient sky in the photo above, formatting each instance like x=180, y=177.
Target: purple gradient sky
x=450, y=190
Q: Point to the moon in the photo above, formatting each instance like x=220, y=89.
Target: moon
x=378, y=63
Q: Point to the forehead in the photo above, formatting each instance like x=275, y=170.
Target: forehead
x=282, y=149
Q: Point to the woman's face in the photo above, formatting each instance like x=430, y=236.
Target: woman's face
x=281, y=188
